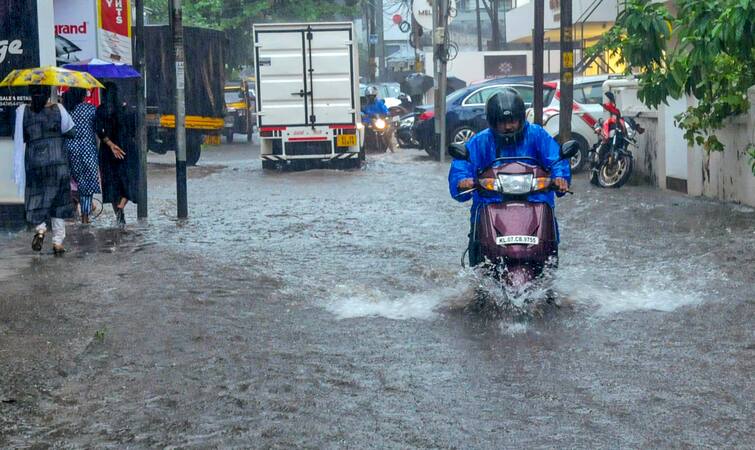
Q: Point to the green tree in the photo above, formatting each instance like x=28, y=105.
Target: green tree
x=702, y=47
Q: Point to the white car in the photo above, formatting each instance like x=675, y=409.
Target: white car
x=586, y=111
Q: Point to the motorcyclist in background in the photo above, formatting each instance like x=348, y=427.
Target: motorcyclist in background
x=509, y=134
x=373, y=106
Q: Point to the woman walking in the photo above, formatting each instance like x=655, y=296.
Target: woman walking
x=82, y=149
x=41, y=166
x=115, y=123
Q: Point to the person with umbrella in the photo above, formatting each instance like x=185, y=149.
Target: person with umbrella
x=40, y=161
x=115, y=125
x=82, y=149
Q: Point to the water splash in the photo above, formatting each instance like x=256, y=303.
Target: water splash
x=349, y=301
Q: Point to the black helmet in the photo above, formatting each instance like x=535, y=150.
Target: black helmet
x=506, y=106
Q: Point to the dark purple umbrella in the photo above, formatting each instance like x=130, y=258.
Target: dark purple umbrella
x=103, y=69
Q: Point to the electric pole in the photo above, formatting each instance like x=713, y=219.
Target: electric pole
x=479, y=27
x=440, y=41
x=178, y=49
x=141, y=110
x=381, y=42
x=372, y=66
x=567, y=72
x=538, y=37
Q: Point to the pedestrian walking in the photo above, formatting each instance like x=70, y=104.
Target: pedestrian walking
x=119, y=160
x=41, y=166
x=82, y=150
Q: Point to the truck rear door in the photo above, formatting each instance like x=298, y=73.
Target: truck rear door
x=305, y=77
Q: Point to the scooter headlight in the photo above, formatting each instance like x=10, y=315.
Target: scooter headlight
x=380, y=124
x=515, y=184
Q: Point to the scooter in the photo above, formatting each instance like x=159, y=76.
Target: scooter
x=377, y=137
x=517, y=238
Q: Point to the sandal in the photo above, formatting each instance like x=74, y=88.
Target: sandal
x=36, y=243
x=58, y=249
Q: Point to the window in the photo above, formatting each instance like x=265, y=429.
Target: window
x=548, y=95
x=590, y=94
x=482, y=96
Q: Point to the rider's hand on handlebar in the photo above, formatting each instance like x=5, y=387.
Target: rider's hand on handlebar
x=465, y=184
x=561, y=184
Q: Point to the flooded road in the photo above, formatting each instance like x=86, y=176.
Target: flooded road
x=327, y=309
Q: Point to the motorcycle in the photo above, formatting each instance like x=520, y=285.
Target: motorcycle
x=517, y=238
x=611, y=161
x=405, y=133
x=377, y=134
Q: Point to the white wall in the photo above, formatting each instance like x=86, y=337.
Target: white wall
x=521, y=20
x=470, y=65
x=725, y=176
x=8, y=192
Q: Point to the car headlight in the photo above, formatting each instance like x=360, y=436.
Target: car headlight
x=380, y=124
x=515, y=184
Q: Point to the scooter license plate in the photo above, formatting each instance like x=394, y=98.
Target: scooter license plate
x=346, y=140
x=525, y=240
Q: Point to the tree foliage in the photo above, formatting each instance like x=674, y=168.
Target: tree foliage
x=705, y=48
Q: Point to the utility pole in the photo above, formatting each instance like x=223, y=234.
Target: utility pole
x=538, y=37
x=141, y=110
x=479, y=27
x=180, y=109
x=567, y=72
x=370, y=41
x=381, y=42
x=440, y=40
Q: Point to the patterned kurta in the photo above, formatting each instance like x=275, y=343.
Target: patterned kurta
x=48, y=180
x=82, y=150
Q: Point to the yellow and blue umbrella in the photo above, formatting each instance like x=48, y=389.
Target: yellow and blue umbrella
x=50, y=76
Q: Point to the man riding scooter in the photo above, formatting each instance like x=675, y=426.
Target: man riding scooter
x=373, y=106
x=509, y=136
x=374, y=117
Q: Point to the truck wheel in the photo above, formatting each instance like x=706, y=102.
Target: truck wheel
x=193, y=148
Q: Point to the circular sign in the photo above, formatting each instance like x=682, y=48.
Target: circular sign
x=423, y=12
x=397, y=18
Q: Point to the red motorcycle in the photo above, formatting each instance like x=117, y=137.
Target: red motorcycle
x=611, y=161
x=517, y=237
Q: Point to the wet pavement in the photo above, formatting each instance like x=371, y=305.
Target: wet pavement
x=328, y=309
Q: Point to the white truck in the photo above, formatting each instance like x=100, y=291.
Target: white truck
x=308, y=108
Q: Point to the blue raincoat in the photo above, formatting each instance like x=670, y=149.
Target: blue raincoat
x=376, y=107
x=537, y=143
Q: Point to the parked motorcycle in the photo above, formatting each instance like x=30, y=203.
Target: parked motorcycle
x=611, y=161
x=405, y=133
x=377, y=135
x=517, y=238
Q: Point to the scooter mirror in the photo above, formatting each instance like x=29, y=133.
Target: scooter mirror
x=458, y=151
x=569, y=149
x=611, y=97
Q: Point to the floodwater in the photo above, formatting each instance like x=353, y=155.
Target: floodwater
x=328, y=309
